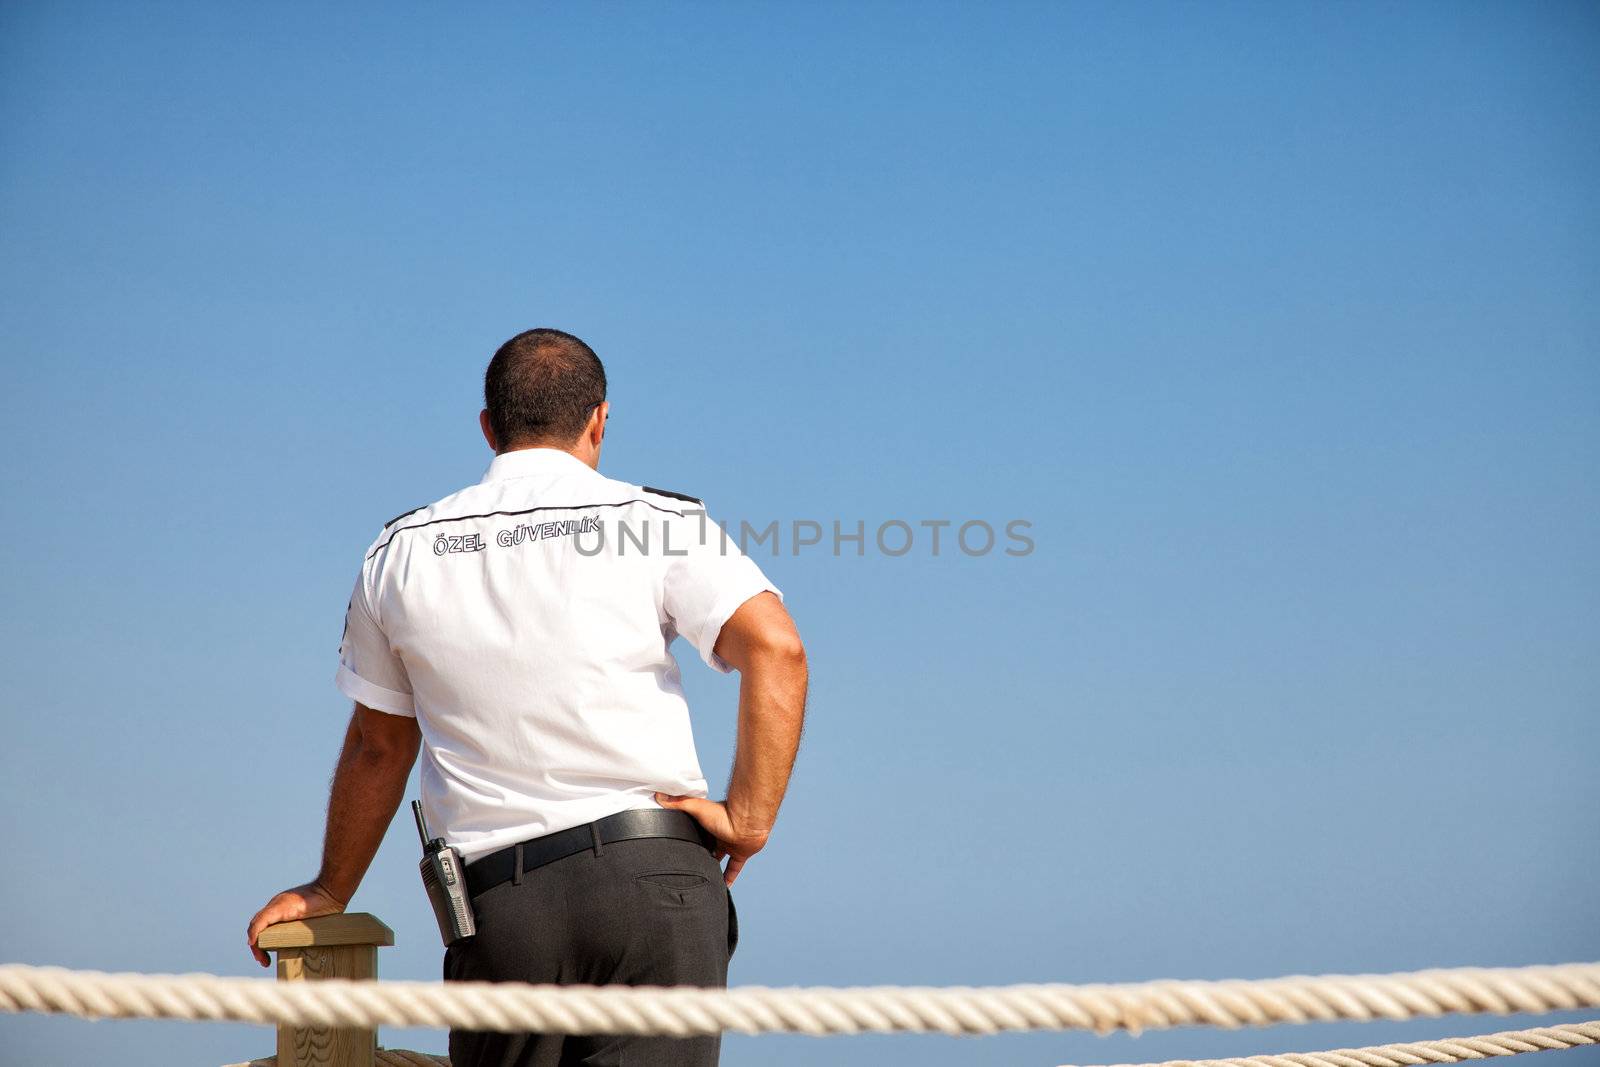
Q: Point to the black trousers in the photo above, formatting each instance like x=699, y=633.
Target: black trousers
x=651, y=911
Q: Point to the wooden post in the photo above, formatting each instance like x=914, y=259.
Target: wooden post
x=333, y=946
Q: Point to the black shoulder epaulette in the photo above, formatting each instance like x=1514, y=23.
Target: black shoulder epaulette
x=675, y=496
x=402, y=515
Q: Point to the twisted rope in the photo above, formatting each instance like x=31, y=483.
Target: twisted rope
x=1447, y=1050
x=1410, y=1054
x=682, y=1011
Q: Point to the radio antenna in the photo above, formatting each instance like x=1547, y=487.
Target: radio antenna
x=422, y=823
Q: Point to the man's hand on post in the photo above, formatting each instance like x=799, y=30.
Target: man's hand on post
x=736, y=842
x=378, y=752
x=302, y=902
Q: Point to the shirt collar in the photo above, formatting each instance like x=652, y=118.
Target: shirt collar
x=530, y=462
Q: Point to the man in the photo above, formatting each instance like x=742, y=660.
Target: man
x=518, y=632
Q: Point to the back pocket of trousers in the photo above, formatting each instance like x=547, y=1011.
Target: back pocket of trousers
x=675, y=889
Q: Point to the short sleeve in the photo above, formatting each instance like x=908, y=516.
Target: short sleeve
x=369, y=671
x=707, y=579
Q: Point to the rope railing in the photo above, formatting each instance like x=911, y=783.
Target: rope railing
x=1410, y=1054
x=681, y=1011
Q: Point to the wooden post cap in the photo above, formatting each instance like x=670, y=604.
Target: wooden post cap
x=349, y=928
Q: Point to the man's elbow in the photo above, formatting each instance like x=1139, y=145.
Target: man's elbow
x=388, y=743
x=390, y=755
x=780, y=649
x=761, y=636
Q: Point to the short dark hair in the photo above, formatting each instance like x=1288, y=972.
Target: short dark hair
x=540, y=387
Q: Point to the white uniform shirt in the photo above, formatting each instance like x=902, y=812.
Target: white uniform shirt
x=525, y=623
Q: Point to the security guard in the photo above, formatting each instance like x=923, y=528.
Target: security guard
x=518, y=631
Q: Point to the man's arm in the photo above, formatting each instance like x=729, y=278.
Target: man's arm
x=759, y=641
x=374, y=764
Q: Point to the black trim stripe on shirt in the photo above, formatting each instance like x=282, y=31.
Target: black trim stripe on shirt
x=524, y=511
x=675, y=496
x=402, y=515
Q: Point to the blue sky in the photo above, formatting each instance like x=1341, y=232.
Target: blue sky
x=1278, y=322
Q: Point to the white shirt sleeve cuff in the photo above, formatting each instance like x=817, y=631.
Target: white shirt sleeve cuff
x=719, y=617
x=375, y=697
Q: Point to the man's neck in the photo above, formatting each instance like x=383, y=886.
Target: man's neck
x=588, y=457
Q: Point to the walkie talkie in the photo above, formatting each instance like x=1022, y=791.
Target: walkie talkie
x=445, y=878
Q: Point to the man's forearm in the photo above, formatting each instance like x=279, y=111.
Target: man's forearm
x=367, y=787
x=772, y=700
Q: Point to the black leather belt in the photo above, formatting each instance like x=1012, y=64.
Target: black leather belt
x=486, y=872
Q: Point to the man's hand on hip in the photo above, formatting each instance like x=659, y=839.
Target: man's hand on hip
x=302, y=902
x=736, y=842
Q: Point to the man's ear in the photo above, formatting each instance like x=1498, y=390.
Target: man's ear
x=488, y=430
x=597, y=424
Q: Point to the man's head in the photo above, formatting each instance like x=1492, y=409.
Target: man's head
x=545, y=388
